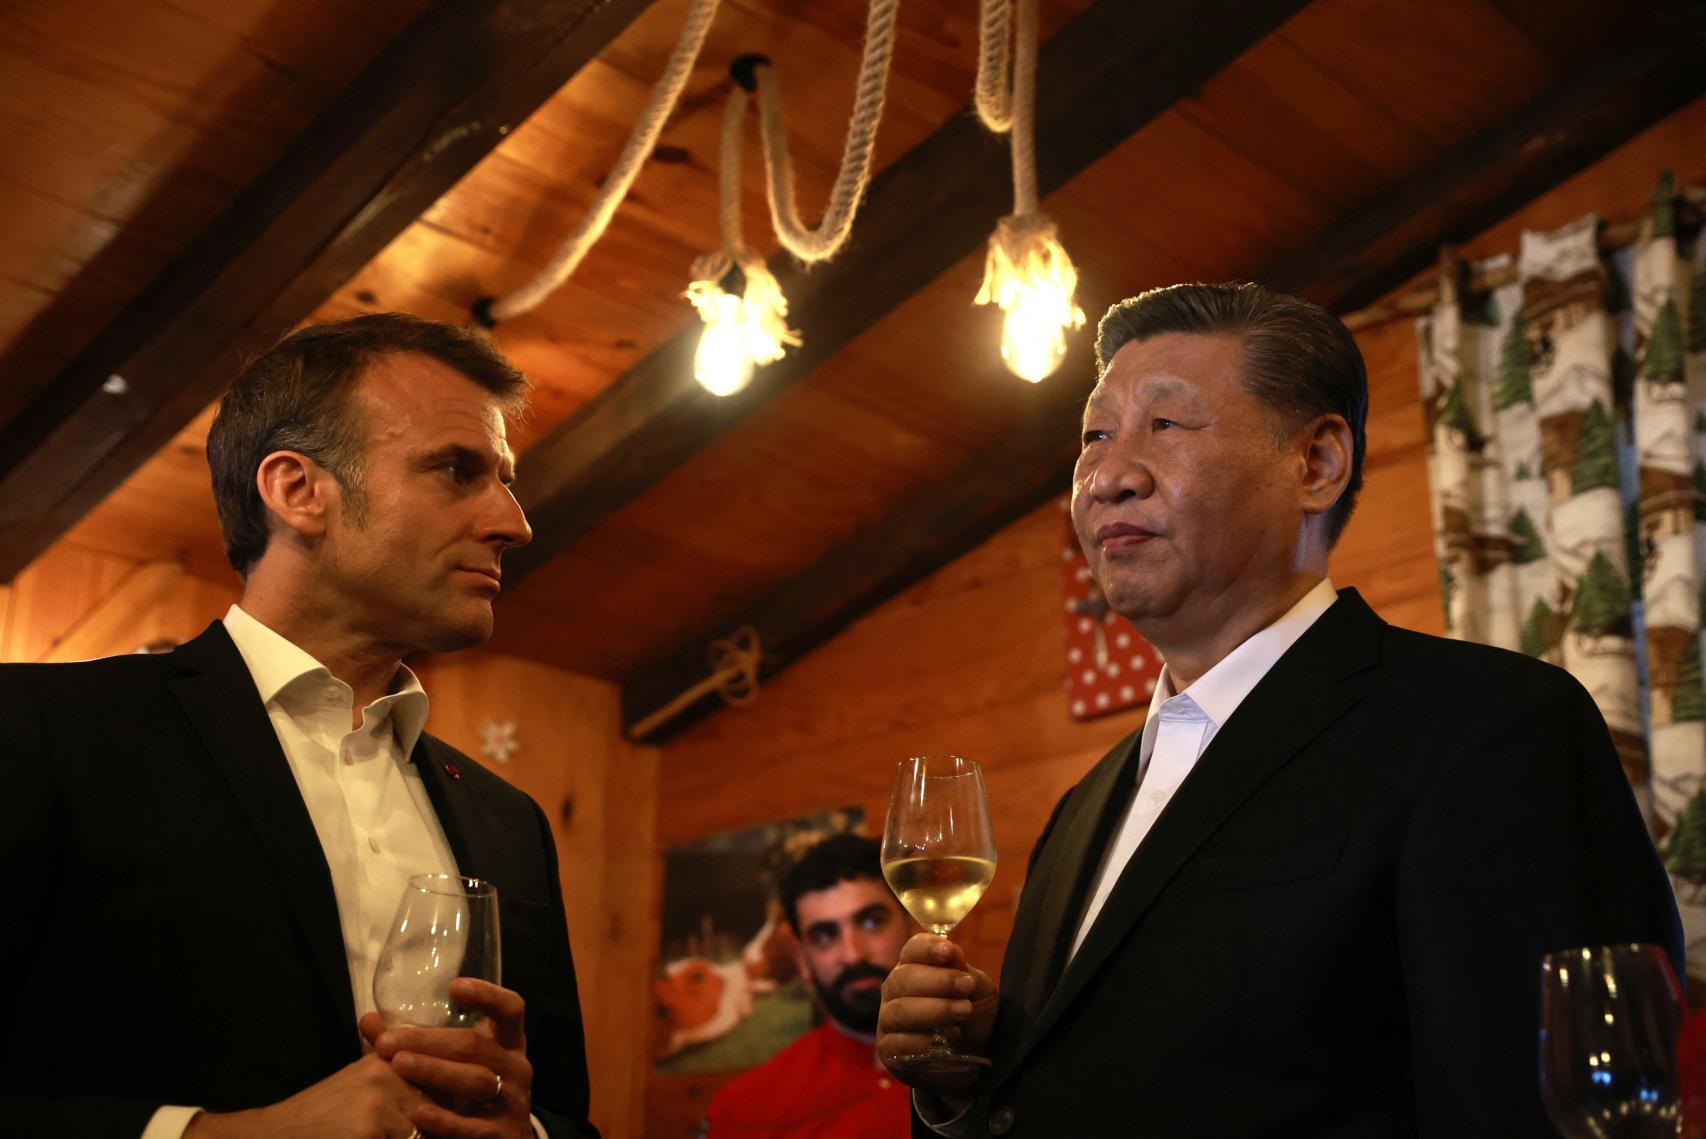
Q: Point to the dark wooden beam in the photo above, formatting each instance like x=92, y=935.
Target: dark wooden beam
x=1386, y=241
x=433, y=103
x=918, y=536
x=1033, y=463
x=1101, y=78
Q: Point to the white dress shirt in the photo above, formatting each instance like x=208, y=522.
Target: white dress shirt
x=1180, y=727
x=376, y=824
x=1177, y=731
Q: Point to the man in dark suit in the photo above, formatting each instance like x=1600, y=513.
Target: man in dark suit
x=205, y=848
x=1311, y=896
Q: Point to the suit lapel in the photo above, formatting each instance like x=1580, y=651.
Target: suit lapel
x=1068, y=870
x=485, y=844
x=1315, y=683
x=468, y=824
x=213, y=686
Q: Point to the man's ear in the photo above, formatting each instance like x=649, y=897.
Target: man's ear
x=1327, y=450
x=297, y=491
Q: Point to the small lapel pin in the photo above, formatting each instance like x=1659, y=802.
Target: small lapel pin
x=455, y=773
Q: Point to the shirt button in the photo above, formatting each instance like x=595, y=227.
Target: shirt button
x=1001, y=1121
x=373, y=844
x=884, y=1082
x=330, y=692
x=348, y=759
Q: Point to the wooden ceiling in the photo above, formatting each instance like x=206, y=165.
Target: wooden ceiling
x=184, y=181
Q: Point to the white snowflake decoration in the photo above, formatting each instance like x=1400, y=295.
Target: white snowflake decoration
x=497, y=739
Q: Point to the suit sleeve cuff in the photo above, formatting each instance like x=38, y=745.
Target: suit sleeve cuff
x=938, y=1116
x=169, y=1122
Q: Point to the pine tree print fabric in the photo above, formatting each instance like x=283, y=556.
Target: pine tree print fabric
x=1567, y=424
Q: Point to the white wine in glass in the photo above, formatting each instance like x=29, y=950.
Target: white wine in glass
x=939, y=858
x=939, y=892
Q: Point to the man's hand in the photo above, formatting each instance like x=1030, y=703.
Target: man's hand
x=459, y=1068
x=365, y=1100
x=932, y=987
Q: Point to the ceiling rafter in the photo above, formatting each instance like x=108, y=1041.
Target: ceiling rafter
x=922, y=214
x=421, y=115
x=1024, y=469
x=1555, y=134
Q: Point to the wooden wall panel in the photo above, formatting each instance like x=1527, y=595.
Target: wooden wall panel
x=600, y=796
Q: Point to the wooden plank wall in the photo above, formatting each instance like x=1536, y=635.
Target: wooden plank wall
x=972, y=660
x=598, y=791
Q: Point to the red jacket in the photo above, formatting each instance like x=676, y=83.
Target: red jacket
x=825, y=1085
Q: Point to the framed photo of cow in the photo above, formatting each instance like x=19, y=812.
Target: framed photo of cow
x=727, y=993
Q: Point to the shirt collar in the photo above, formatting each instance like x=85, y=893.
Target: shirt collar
x=1220, y=690
x=277, y=663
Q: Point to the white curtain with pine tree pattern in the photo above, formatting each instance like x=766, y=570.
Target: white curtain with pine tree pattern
x=1567, y=428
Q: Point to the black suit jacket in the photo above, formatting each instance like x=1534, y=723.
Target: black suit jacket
x=169, y=931
x=1335, y=927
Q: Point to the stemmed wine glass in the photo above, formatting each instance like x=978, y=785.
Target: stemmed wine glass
x=1609, y=1017
x=446, y=927
x=939, y=858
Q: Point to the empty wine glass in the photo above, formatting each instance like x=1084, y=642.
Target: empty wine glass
x=1609, y=1017
x=446, y=927
x=939, y=858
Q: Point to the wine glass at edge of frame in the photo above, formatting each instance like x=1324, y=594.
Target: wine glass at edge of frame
x=939, y=858
x=1609, y=1021
x=446, y=927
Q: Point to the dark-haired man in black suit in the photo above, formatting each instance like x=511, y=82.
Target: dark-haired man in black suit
x=205, y=848
x=1310, y=896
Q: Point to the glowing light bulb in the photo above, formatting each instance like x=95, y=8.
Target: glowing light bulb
x=741, y=331
x=1029, y=277
x=1033, y=335
x=722, y=365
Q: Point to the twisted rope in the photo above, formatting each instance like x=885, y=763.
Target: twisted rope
x=1025, y=112
x=641, y=142
x=831, y=233
x=1013, y=109
x=728, y=174
x=763, y=310
x=991, y=96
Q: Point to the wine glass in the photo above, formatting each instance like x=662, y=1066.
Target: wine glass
x=1609, y=1017
x=939, y=858
x=446, y=927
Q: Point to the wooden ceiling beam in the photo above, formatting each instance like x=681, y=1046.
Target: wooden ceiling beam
x=921, y=534
x=421, y=115
x=1116, y=67
x=1561, y=131
x=1033, y=463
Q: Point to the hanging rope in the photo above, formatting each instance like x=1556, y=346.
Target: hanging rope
x=640, y=146
x=1027, y=273
x=991, y=95
x=1025, y=112
x=831, y=233
x=761, y=314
